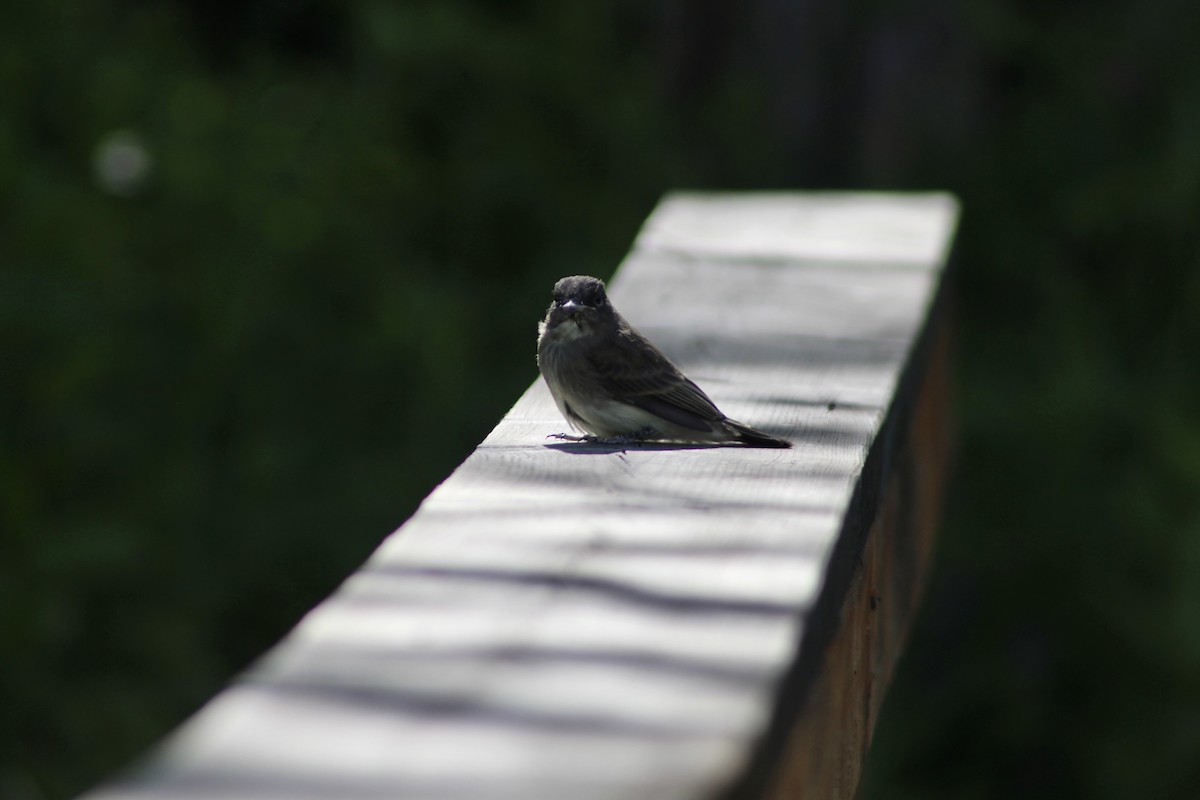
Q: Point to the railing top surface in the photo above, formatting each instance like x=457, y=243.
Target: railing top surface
x=560, y=620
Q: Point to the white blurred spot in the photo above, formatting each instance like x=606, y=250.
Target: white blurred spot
x=122, y=164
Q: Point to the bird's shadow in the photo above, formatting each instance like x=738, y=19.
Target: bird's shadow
x=606, y=448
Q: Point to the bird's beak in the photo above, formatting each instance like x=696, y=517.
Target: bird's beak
x=570, y=305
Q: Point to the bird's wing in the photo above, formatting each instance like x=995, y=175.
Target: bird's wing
x=637, y=373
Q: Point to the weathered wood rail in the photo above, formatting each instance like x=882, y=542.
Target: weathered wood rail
x=568, y=621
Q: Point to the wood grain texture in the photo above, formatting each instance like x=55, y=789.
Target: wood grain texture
x=562, y=620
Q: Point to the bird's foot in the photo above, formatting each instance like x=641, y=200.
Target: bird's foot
x=637, y=436
x=566, y=437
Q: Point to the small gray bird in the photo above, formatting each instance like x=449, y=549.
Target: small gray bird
x=609, y=381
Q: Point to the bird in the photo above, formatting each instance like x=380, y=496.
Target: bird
x=609, y=381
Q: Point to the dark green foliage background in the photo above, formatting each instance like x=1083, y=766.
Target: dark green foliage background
x=221, y=391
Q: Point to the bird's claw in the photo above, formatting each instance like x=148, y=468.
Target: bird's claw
x=570, y=438
x=637, y=436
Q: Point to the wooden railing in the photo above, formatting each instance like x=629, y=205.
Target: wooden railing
x=572, y=621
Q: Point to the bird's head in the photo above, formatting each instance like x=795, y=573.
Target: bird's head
x=580, y=304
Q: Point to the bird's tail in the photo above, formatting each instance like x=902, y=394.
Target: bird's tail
x=754, y=438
